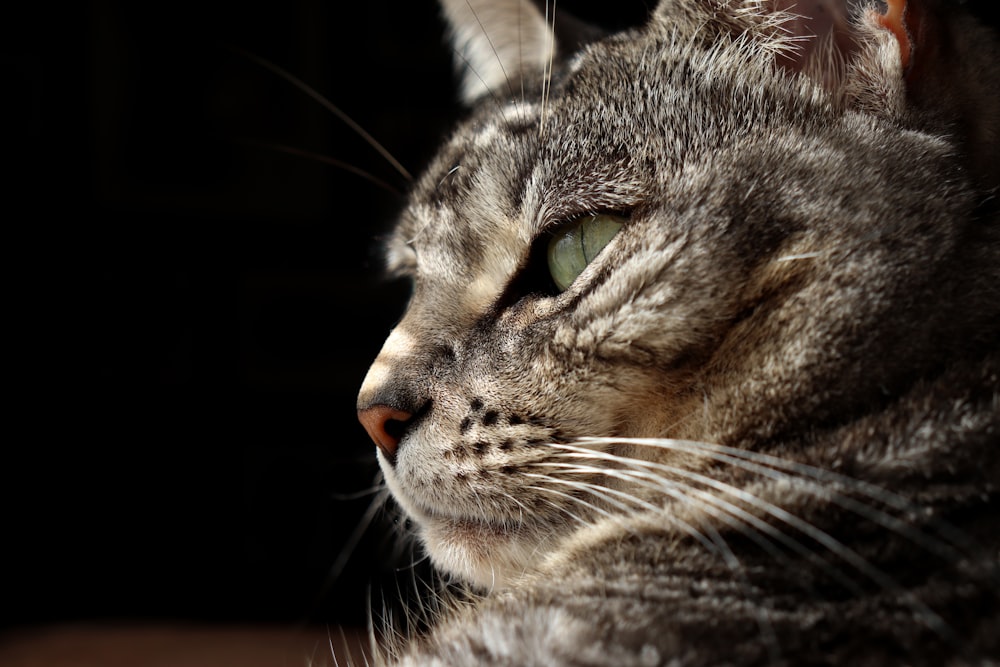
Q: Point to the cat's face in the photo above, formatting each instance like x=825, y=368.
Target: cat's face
x=744, y=263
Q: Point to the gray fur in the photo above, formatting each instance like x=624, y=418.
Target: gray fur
x=762, y=426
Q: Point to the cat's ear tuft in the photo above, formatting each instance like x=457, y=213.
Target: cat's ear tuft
x=893, y=46
x=895, y=20
x=859, y=59
x=497, y=44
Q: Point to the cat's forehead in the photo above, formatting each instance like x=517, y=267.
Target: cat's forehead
x=606, y=134
x=471, y=197
x=507, y=175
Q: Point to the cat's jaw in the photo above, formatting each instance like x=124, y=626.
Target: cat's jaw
x=487, y=554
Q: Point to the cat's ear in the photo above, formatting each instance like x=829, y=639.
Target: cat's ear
x=497, y=43
x=891, y=51
x=500, y=43
x=884, y=60
x=854, y=54
x=933, y=62
x=863, y=59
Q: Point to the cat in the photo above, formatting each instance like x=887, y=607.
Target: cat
x=700, y=365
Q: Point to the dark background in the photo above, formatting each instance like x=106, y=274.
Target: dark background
x=191, y=309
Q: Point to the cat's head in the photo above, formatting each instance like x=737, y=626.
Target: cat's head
x=711, y=228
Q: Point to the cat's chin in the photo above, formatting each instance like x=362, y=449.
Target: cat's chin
x=483, y=554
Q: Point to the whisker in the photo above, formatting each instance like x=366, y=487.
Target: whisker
x=766, y=464
x=333, y=574
x=835, y=546
x=370, y=491
x=655, y=483
x=333, y=162
x=520, y=51
x=736, y=567
x=344, y=642
x=493, y=95
x=422, y=608
x=412, y=566
x=590, y=488
x=712, y=541
x=445, y=177
x=493, y=47
x=575, y=500
x=801, y=255
x=373, y=645
x=547, y=73
x=603, y=491
x=329, y=106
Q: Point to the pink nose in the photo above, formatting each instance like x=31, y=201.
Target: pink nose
x=385, y=426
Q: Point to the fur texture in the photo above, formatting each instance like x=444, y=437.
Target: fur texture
x=761, y=426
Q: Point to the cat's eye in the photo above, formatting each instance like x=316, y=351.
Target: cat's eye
x=576, y=244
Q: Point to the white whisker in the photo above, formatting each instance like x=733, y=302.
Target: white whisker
x=736, y=567
x=802, y=255
x=337, y=568
x=730, y=512
x=712, y=541
x=766, y=465
x=331, y=107
x=604, y=492
x=547, y=72
x=835, y=546
x=493, y=47
x=574, y=500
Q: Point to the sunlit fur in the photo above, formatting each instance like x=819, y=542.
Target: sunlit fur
x=763, y=425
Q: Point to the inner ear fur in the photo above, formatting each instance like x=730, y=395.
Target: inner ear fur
x=924, y=60
x=950, y=65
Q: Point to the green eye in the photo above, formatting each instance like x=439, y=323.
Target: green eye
x=574, y=246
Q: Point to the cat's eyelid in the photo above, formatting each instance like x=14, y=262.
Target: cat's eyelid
x=552, y=226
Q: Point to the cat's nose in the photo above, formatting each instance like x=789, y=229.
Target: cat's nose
x=385, y=426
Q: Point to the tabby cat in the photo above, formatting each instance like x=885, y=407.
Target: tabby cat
x=701, y=361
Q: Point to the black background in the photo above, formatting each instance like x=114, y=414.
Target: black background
x=191, y=308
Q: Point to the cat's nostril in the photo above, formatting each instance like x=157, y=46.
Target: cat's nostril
x=385, y=426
